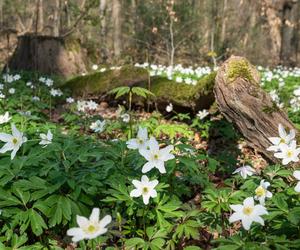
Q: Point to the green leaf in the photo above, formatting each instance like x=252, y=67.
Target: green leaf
x=119, y=91
x=134, y=242
x=280, y=202
x=294, y=215
x=192, y=248
x=37, y=223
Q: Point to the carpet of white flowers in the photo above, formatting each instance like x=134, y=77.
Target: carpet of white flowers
x=74, y=176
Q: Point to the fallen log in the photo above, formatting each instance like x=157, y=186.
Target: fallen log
x=184, y=97
x=244, y=103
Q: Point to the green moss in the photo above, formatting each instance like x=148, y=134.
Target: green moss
x=181, y=93
x=72, y=44
x=270, y=109
x=101, y=82
x=239, y=68
x=165, y=90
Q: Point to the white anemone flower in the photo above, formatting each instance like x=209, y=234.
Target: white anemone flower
x=35, y=98
x=49, y=82
x=70, y=100
x=140, y=142
x=91, y=105
x=284, y=138
x=13, y=142
x=46, y=139
x=95, y=67
x=98, y=126
x=156, y=157
x=202, y=114
x=81, y=105
x=296, y=174
x=125, y=118
x=245, y=171
x=169, y=107
x=288, y=153
x=261, y=192
x=248, y=213
x=12, y=91
x=56, y=92
x=4, y=118
x=297, y=92
x=144, y=188
x=89, y=228
x=16, y=77
x=42, y=79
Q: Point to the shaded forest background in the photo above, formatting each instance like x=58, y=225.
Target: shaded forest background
x=190, y=32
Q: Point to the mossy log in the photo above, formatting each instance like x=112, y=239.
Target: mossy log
x=48, y=55
x=244, y=103
x=181, y=95
x=99, y=83
x=184, y=96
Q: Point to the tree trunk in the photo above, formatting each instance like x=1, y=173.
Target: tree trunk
x=56, y=18
x=224, y=21
x=48, y=55
x=241, y=100
x=39, y=25
x=1, y=14
x=116, y=18
x=290, y=17
x=103, y=30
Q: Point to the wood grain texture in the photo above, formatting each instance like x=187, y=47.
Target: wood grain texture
x=242, y=101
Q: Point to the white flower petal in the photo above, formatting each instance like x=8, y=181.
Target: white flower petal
x=234, y=217
x=296, y=174
x=147, y=167
x=94, y=217
x=81, y=221
x=105, y=221
x=135, y=193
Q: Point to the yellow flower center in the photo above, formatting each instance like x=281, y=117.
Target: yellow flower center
x=260, y=191
x=91, y=229
x=282, y=140
x=15, y=141
x=247, y=210
x=140, y=141
x=289, y=153
x=156, y=157
x=145, y=190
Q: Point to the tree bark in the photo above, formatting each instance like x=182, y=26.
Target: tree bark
x=39, y=25
x=241, y=100
x=56, y=18
x=290, y=16
x=48, y=55
x=224, y=22
x=1, y=14
x=116, y=18
x=103, y=30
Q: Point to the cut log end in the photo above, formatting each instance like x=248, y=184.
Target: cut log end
x=244, y=103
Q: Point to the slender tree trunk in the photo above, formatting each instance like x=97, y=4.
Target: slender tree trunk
x=290, y=17
x=103, y=30
x=1, y=14
x=224, y=21
x=56, y=18
x=275, y=24
x=116, y=18
x=172, y=49
x=39, y=24
x=213, y=31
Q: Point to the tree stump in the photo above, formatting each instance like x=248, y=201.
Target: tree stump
x=48, y=55
x=242, y=101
